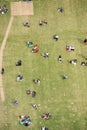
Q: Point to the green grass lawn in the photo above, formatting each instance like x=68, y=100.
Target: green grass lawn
x=64, y=99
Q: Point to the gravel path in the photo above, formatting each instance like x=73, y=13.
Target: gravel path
x=2, y=96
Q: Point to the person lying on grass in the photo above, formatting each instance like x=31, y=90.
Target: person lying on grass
x=70, y=48
x=74, y=61
x=45, y=55
x=35, y=49
x=46, y=116
x=42, y=22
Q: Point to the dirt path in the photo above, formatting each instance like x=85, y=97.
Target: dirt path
x=2, y=96
x=26, y=8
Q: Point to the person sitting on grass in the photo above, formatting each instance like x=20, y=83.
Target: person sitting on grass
x=60, y=59
x=19, y=78
x=45, y=21
x=60, y=9
x=28, y=92
x=34, y=106
x=15, y=102
x=40, y=23
x=44, y=128
x=85, y=41
x=26, y=24
x=30, y=44
x=84, y=63
x=33, y=93
x=56, y=37
x=2, y=71
x=36, y=81
x=19, y=63
x=65, y=76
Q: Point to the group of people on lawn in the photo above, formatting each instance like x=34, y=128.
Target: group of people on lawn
x=35, y=49
x=25, y=120
x=3, y=9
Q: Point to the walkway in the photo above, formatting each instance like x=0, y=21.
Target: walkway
x=1, y=57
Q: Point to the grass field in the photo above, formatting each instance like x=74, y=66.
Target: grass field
x=66, y=100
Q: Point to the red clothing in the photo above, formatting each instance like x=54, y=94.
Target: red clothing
x=36, y=50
